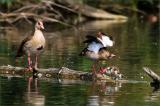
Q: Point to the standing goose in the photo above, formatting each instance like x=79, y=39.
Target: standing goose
x=96, y=47
x=33, y=45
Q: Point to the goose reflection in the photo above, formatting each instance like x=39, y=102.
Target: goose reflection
x=93, y=100
x=32, y=96
x=103, y=93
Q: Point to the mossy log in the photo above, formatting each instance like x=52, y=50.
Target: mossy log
x=53, y=73
x=59, y=73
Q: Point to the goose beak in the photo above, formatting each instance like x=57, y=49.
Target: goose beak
x=42, y=27
x=111, y=56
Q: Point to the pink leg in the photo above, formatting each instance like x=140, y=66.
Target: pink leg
x=101, y=69
x=29, y=62
x=36, y=62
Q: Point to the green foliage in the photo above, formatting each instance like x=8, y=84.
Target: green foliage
x=7, y=2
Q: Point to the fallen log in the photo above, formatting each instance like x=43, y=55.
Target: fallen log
x=59, y=73
x=55, y=73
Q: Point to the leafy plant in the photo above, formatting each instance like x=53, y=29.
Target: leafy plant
x=7, y=3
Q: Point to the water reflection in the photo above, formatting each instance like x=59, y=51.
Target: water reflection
x=93, y=100
x=103, y=93
x=32, y=96
x=154, y=96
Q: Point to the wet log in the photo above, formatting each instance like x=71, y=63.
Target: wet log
x=156, y=78
x=152, y=74
x=58, y=73
x=62, y=73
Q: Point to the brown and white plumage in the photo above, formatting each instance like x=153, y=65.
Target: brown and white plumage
x=33, y=44
x=97, y=47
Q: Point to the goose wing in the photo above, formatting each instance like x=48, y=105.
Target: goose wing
x=94, y=46
x=106, y=41
x=20, y=50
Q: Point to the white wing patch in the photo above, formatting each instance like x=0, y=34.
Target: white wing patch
x=106, y=41
x=95, y=47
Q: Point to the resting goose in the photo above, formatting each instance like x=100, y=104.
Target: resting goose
x=96, y=47
x=33, y=45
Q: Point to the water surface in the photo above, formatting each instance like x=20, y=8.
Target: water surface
x=137, y=44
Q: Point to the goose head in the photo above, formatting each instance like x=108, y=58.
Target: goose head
x=39, y=25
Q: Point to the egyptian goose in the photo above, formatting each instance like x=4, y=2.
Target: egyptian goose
x=33, y=45
x=96, y=47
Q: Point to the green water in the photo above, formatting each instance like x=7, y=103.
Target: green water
x=137, y=44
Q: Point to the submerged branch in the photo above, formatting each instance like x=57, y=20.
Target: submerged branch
x=151, y=74
x=156, y=78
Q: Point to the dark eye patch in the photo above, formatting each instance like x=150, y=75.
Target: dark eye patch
x=40, y=48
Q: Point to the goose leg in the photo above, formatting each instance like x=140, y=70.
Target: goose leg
x=29, y=61
x=36, y=62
